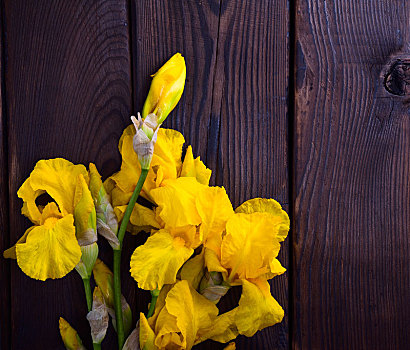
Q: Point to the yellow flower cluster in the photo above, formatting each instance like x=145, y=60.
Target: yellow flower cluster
x=198, y=248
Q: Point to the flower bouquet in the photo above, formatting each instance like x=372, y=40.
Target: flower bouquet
x=198, y=249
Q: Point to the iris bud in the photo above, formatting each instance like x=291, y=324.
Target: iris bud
x=166, y=88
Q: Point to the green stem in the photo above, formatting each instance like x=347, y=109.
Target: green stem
x=117, y=258
x=88, y=295
x=96, y=346
x=154, y=297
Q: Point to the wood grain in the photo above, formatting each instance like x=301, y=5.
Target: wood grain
x=4, y=208
x=351, y=183
x=162, y=28
x=68, y=94
x=247, y=135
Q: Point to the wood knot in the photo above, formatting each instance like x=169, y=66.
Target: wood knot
x=397, y=78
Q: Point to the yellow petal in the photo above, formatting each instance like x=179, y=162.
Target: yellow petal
x=176, y=201
x=202, y=173
x=166, y=88
x=188, y=233
x=50, y=250
x=50, y=211
x=193, y=270
x=84, y=214
x=119, y=197
x=157, y=262
x=195, y=168
x=146, y=335
x=264, y=205
x=215, y=209
x=167, y=332
x=276, y=269
x=257, y=308
x=249, y=246
x=231, y=346
x=57, y=177
x=29, y=196
x=223, y=328
x=69, y=335
x=213, y=262
x=160, y=304
x=11, y=252
x=191, y=310
x=167, y=152
x=141, y=217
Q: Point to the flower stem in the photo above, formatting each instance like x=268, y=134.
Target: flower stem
x=88, y=295
x=117, y=258
x=154, y=297
x=96, y=346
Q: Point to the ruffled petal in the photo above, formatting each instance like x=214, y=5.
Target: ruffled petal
x=188, y=233
x=50, y=250
x=215, y=209
x=176, y=201
x=57, y=177
x=250, y=245
x=141, y=217
x=257, y=308
x=265, y=205
x=168, y=334
x=191, y=310
x=29, y=196
x=157, y=261
x=223, y=328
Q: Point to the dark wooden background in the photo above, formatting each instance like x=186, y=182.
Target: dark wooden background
x=283, y=99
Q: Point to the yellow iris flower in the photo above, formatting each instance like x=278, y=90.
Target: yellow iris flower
x=166, y=164
x=188, y=214
x=51, y=248
x=248, y=257
x=251, y=242
x=181, y=315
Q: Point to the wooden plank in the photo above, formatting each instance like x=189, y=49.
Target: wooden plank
x=351, y=183
x=69, y=94
x=247, y=142
x=4, y=208
x=162, y=28
x=233, y=110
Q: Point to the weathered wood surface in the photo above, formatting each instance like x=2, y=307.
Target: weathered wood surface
x=4, y=210
x=76, y=74
x=73, y=72
x=351, y=177
x=68, y=87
